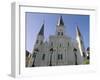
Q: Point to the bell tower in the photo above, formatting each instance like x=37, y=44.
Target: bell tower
x=60, y=27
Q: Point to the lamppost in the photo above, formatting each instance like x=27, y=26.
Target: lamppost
x=88, y=55
x=51, y=52
x=34, y=56
x=75, y=50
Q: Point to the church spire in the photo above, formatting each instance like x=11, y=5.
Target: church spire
x=78, y=33
x=60, y=21
x=60, y=27
x=80, y=41
x=41, y=30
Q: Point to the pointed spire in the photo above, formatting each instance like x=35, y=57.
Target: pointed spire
x=78, y=31
x=80, y=42
x=41, y=30
x=60, y=21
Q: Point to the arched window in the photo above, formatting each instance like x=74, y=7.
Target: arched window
x=41, y=42
x=62, y=33
x=58, y=33
x=51, y=43
x=60, y=45
x=60, y=56
x=43, y=56
x=68, y=43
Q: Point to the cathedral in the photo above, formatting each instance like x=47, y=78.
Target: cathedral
x=60, y=49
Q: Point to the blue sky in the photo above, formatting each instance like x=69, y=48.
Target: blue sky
x=34, y=22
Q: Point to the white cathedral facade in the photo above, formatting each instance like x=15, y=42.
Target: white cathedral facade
x=59, y=49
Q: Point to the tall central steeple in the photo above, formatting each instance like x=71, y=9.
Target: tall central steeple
x=60, y=21
x=60, y=27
